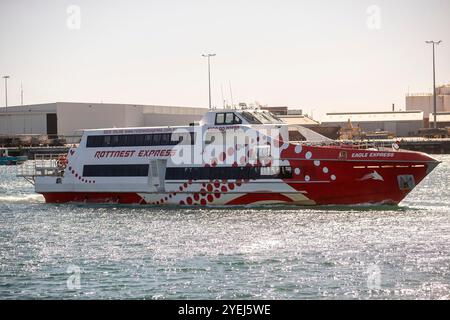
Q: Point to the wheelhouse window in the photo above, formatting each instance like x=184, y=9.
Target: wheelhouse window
x=229, y=118
x=220, y=118
x=250, y=118
x=272, y=117
x=260, y=117
x=237, y=120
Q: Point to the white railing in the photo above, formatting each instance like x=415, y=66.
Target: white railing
x=43, y=165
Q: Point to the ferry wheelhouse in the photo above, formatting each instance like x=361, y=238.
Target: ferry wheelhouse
x=231, y=157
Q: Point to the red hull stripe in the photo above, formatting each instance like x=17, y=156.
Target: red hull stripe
x=93, y=197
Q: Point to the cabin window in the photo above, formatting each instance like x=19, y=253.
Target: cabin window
x=233, y=173
x=148, y=140
x=139, y=140
x=270, y=171
x=165, y=139
x=126, y=170
x=156, y=139
x=115, y=141
x=107, y=142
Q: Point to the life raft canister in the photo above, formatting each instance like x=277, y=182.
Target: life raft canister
x=62, y=162
x=395, y=145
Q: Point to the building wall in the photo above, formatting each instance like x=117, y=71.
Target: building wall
x=26, y=119
x=445, y=90
x=171, y=116
x=23, y=123
x=151, y=119
x=446, y=102
x=76, y=116
x=425, y=104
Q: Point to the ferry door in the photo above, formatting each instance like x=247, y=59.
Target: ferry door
x=157, y=174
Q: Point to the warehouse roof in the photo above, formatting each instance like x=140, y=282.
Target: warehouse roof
x=52, y=107
x=374, y=116
x=440, y=117
x=297, y=120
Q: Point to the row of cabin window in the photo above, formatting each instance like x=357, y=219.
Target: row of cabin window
x=212, y=173
x=116, y=170
x=138, y=140
x=189, y=173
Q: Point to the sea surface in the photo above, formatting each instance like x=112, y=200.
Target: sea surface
x=123, y=252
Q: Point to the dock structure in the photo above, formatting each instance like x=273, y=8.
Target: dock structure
x=31, y=152
x=432, y=146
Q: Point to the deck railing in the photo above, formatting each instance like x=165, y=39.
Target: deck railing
x=42, y=165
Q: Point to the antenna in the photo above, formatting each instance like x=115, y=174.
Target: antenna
x=21, y=93
x=223, y=100
x=231, y=93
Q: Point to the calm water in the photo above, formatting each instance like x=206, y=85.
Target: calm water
x=73, y=252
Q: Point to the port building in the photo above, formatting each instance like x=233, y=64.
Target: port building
x=442, y=119
x=399, y=123
x=66, y=118
x=424, y=102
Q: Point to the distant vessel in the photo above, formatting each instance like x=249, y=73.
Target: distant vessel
x=7, y=159
x=231, y=157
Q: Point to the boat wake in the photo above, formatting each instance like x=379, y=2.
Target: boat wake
x=25, y=198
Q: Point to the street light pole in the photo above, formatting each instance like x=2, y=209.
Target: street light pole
x=6, y=90
x=21, y=94
x=434, y=80
x=209, y=55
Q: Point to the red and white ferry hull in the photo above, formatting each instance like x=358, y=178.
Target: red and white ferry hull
x=321, y=176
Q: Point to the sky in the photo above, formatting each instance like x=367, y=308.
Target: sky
x=319, y=56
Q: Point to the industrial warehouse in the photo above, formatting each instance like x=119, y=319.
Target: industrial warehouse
x=41, y=122
x=61, y=123
x=395, y=123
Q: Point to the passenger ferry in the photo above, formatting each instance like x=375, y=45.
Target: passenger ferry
x=231, y=157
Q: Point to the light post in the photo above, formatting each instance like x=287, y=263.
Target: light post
x=209, y=55
x=6, y=90
x=434, y=80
